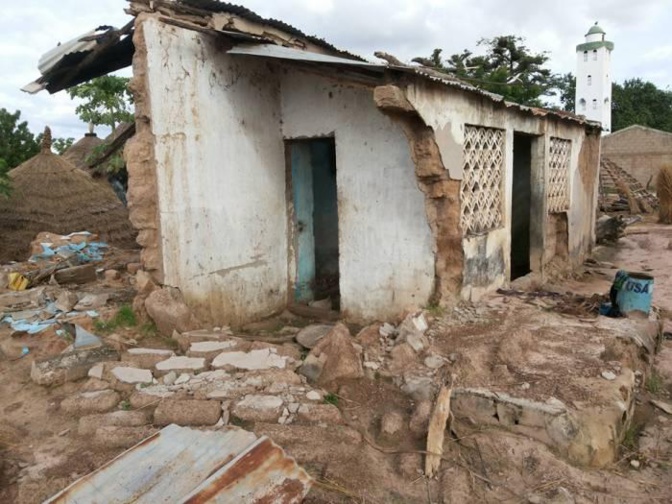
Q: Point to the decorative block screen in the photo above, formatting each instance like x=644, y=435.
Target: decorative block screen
x=481, y=190
x=558, y=176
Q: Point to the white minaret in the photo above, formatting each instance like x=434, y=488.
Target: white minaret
x=593, y=77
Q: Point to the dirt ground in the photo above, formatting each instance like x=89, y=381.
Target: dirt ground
x=545, y=345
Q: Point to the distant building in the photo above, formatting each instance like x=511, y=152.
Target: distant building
x=640, y=151
x=593, y=77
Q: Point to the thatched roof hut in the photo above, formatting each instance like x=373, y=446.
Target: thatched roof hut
x=79, y=152
x=51, y=194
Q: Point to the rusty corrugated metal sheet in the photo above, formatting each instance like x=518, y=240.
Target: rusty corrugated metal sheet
x=182, y=465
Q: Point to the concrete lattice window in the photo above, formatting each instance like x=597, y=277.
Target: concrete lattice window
x=481, y=189
x=558, y=177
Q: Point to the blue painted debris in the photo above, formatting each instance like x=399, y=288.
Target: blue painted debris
x=84, y=251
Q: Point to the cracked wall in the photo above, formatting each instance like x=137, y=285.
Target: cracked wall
x=442, y=193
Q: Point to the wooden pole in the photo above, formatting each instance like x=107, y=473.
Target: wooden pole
x=437, y=430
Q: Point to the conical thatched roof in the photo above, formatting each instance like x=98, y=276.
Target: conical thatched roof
x=79, y=152
x=50, y=194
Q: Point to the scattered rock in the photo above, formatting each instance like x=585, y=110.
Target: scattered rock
x=420, y=388
x=372, y=365
x=319, y=414
x=608, y=375
x=170, y=378
x=88, y=424
x=182, y=379
x=94, y=384
x=92, y=302
x=387, y=330
x=66, y=301
x=434, y=361
x=167, y=309
x=258, y=408
x=133, y=268
x=146, y=358
x=111, y=275
x=293, y=407
x=419, y=423
x=415, y=326
x=70, y=366
x=144, y=284
x=391, y=423
x=181, y=365
x=144, y=399
x=342, y=358
x=188, y=412
x=635, y=463
x=97, y=371
x=369, y=336
x=121, y=437
x=185, y=339
x=263, y=358
x=667, y=408
x=312, y=367
x=211, y=349
x=401, y=358
x=309, y=336
x=314, y=395
x=132, y=376
x=86, y=403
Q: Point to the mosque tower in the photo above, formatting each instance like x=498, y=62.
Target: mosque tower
x=593, y=77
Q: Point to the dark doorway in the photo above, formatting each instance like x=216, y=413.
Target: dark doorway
x=315, y=219
x=521, y=205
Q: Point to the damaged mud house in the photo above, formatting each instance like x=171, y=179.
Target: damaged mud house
x=359, y=261
x=270, y=168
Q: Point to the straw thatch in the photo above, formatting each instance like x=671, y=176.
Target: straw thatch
x=79, y=152
x=50, y=194
x=664, y=188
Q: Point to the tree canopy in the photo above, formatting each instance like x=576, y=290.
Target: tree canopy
x=633, y=102
x=640, y=102
x=107, y=101
x=507, y=67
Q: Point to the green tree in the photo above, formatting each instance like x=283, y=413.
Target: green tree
x=641, y=102
x=4, y=179
x=567, y=92
x=107, y=101
x=506, y=67
x=17, y=143
x=60, y=145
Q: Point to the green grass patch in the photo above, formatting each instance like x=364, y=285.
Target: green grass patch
x=654, y=382
x=125, y=317
x=149, y=329
x=331, y=399
x=125, y=405
x=435, y=310
x=631, y=437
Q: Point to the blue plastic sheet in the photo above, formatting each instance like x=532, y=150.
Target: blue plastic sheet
x=84, y=251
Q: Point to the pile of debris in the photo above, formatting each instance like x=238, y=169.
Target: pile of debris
x=621, y=192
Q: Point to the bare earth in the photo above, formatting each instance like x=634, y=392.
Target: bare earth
x=538, y=348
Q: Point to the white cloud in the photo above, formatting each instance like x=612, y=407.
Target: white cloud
x=405, y=28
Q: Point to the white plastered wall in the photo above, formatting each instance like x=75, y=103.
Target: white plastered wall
x=221, y=175
x=385, y=243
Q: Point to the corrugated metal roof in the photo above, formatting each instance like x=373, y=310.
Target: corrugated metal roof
x=280, y=52
x=182, y=465
x=244, y=12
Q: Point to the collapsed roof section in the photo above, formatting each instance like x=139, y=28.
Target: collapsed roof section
x=250, y=35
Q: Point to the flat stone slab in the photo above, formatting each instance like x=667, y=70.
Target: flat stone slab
x=188, y=412
x=132, y=375
x=185, y=339
x=309, y=336
x=258, y=408
x=70, y=366
x=319, y=413
x=253, y=360
x=85, y=403
x=181, y=365
x=210, y=349
x=147, y=358
x=88, y=424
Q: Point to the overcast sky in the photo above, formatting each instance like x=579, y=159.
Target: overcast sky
x=406, y=28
